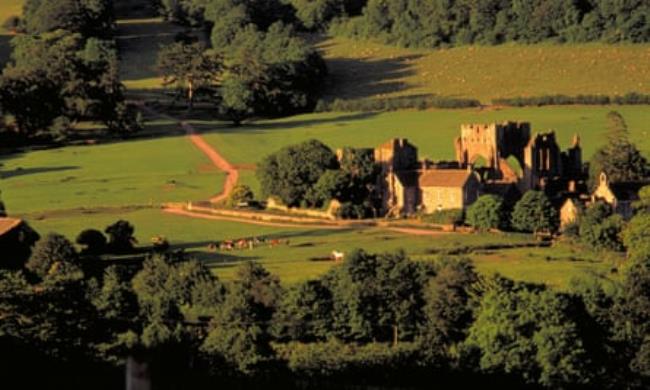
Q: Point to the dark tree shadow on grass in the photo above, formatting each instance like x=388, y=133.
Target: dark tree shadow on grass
x=31, y=171
x=5, y=49
x=281, y=124
x=351, y=78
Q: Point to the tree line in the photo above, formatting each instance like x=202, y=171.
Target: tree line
x=369, y=320
x=429, y=24
x=434, y=23
x=306, y=15
x=63, y=70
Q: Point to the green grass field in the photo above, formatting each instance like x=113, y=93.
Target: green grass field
x=556, y=267
x=295, y=262
x=365, y=69
x=118, y=174
x=431, y=131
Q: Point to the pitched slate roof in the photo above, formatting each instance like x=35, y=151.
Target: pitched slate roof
x=8, y=224
x=444, y=177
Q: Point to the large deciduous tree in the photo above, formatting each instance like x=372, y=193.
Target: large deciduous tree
x=291, y=172
x=488, y=212
x=54, y=255
x=87, y=17
x=619, y=158
x=58, y=78
x=189, y=67
x=601, y=228
x=538, y=335
x=377, y=297
x=534, y=213
x=121, y=237
x=269, y=73
x=240, y=331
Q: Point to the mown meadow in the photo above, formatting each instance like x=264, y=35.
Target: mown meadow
x=305, y=254
x=144, y=172
x=361, y=69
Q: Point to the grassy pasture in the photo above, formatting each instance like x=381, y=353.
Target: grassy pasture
x=295, y=262
x=118, y=174
x=431, y=131
x=362, y=69
x=555, y=267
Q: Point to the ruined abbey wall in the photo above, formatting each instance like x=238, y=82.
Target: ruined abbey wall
x=492, y=142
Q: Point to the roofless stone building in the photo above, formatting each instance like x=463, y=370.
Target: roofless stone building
x=501, y=158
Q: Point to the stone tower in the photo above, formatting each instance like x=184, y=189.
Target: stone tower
x=542, y=161
x=396, y=155
x=491, y=142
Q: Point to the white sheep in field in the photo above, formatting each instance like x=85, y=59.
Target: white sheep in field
x=338, y=256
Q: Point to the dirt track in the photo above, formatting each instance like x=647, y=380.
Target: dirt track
x=211, y=153
x=217, y=159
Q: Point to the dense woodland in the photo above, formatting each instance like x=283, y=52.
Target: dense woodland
x=63, y=70
x=458, y=22
x=375, y=319
x=435, y=23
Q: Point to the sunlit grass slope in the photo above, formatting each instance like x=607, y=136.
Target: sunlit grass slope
x=366, y=69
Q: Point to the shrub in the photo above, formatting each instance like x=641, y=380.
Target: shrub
x=337, y=360
x=487, y=212
x=293, y=171
x=396, y=103
x=52, y=255
x=445, y=217
x=534, y=213
x=121, y=238
x=556, y=100
x=240, y=194
x=93, y=240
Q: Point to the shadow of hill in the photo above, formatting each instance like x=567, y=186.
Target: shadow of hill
x=352, y=78
x=31, y=171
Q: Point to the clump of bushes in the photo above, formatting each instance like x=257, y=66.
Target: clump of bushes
x=241, y=194
x=395, y=103
x=600, y=228
x=336, y=359
x=488, y=212
x=445, y=217
x=559, y=100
